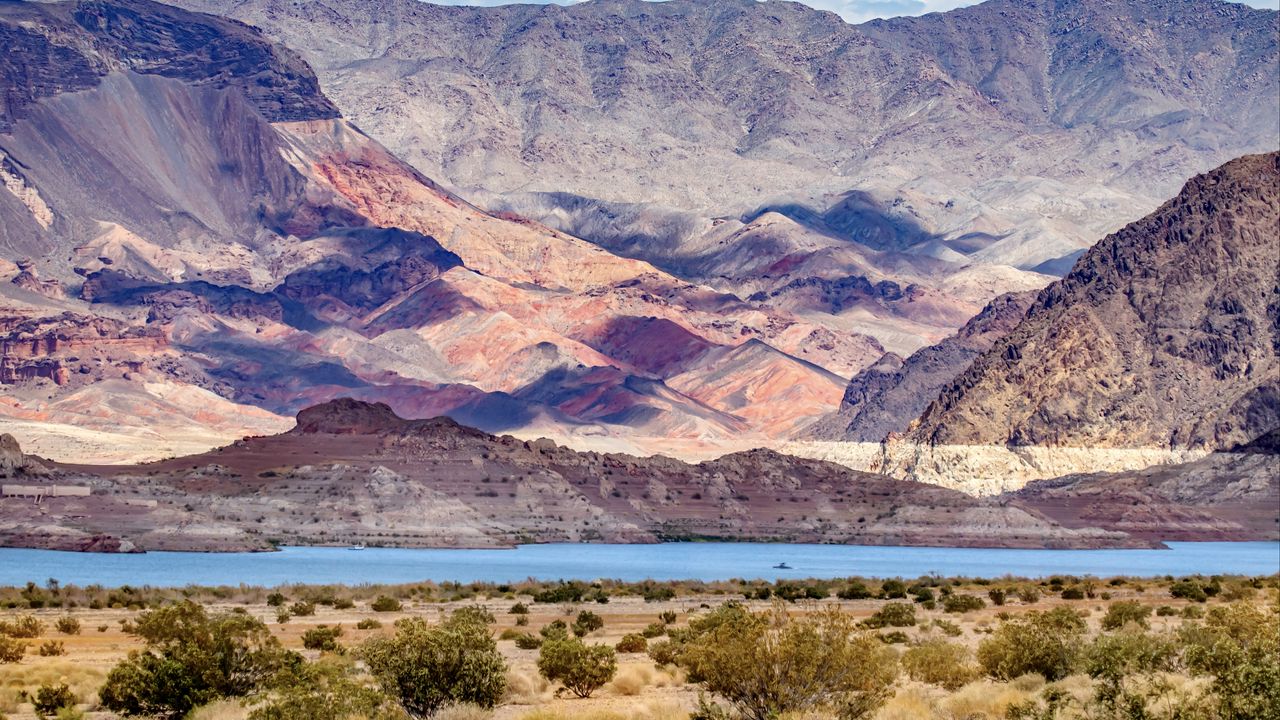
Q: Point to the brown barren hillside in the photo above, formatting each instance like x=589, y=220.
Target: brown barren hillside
x=356, y=472
x=1166, y=334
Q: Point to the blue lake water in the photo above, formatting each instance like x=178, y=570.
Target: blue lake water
x=670, y=561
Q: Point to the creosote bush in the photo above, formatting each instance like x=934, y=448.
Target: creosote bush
x=580, y=668
x=67, y=625
x=323, y=638
x=325, y=690
x=192, y=658
x=894, y=614
x=50, y=699
x=385, y=603
x=1045, y=643
x=632, y=643
x=766, y=664
x=11, y=650
x=1123, y=612
x=426, y=668
x=946, y=664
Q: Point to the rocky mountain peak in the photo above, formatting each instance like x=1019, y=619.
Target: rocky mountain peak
x=345, y=416
x=1166, y=334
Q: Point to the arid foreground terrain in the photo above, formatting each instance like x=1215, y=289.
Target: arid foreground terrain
x=933, y=648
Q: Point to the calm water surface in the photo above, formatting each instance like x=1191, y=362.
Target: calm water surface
x=672, y=561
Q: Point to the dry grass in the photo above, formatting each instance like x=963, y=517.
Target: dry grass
x=633, y=679
x=463, y=711
x=526, y=687
x=84, y=679
x=651, y=710
x=220, y=710
x=912, y=702
x=982, y=700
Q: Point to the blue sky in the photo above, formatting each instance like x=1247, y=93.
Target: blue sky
x=856, y=11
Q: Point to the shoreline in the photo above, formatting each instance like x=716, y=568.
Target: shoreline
x=658, y=563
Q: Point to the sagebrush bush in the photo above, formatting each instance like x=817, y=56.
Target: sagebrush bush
x=23, y=626
x=51, y=648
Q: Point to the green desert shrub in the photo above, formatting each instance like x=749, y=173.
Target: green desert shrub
x=580, y=668
x=426, y=668
x=855, y=590
x=632, y=643
x=192, y=658
x=302, y=608
x=962, y=603
x=767, y=664
x=323, y=638
x=938, y=662
x=1239, y=646
x=586, y=623
x=67, y=625
x=51, y=648
x=664, y=652
x=49, y=699
x=1188, y=590
x=385, y=603
x=1123, y=612
x=368, y=624
x=893, y=589
x=11, y=650
x=894, y=614
x=528, y=641
x=325, y=690
x=1045, y=643
x=554, y=630
x=1112, y=657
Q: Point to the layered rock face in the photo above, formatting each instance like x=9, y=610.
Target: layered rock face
x=356, y=472
x=1164, y=335
x=886, y=397
x=757, y=145
x=1229, y=495
x=254, y=253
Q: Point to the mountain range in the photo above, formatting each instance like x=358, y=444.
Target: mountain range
x=691, y=228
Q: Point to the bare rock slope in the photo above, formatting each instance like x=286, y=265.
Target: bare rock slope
x=357, y=472
x=1228, y=495
x=659, y=129
x=1164, y=335
x=887, y=396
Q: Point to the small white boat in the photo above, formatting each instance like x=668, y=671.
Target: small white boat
x=357, y=546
